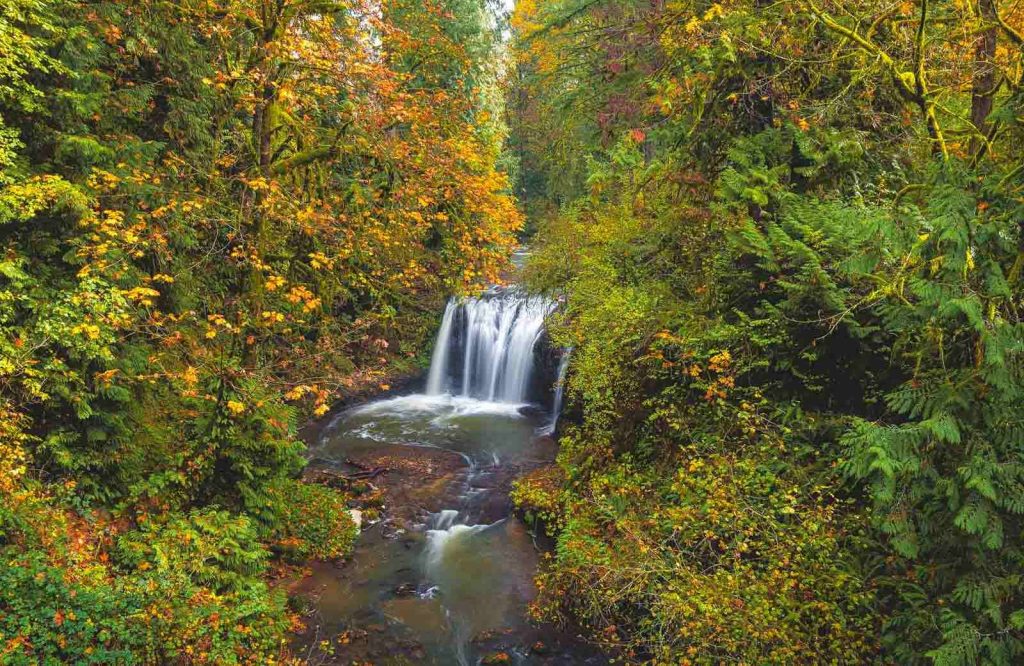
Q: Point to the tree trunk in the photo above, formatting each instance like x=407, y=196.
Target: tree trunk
x=984, y=82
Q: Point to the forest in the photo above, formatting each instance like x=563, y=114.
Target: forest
x=786, y=240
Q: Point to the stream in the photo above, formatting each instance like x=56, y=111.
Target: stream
x=446, y=575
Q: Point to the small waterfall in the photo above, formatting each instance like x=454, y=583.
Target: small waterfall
x=439, y=361
x=556, y=409
x=493, y=337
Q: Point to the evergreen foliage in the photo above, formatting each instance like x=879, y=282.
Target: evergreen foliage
x=790, y=252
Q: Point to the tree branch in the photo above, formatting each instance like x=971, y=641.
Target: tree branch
x=910, y=85
x=1014, y=36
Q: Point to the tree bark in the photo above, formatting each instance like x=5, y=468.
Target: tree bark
x=984, y=82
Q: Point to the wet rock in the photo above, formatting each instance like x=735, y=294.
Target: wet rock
x=531, y=411
x=405, y=590
x=412, y=539
x=484, y=636
x=324, y=476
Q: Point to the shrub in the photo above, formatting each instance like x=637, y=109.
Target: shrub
x=312, y=521
x=97, y=615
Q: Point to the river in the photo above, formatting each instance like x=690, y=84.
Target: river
x=445, y=575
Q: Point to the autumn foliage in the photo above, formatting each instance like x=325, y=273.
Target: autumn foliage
x=216, y=218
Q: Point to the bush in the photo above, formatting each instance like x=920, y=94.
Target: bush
x=97, y=615
x=312, y=521
x=212, y=548
x=538, y=495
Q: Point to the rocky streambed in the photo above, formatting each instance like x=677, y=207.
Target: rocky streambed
x=443, y=572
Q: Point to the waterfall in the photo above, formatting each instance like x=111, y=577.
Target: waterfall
x=492, y=340
x=556, y=409
x=439, y=361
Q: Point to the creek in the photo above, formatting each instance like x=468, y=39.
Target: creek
x=447, y=575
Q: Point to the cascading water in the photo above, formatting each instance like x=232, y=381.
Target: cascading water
x=491, y=340
x=556, y=408
x=439, y=361
x=451, y=579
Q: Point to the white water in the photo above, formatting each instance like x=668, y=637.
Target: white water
x=556, y=408
x=444, y=407
x=494, y=336
x=439, y=361
x=441, y=544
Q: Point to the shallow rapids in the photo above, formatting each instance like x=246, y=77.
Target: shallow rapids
x=447, y=576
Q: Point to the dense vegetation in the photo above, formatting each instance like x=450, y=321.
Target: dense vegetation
x=790, y=237
x=216, y=217
x=790, y=241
